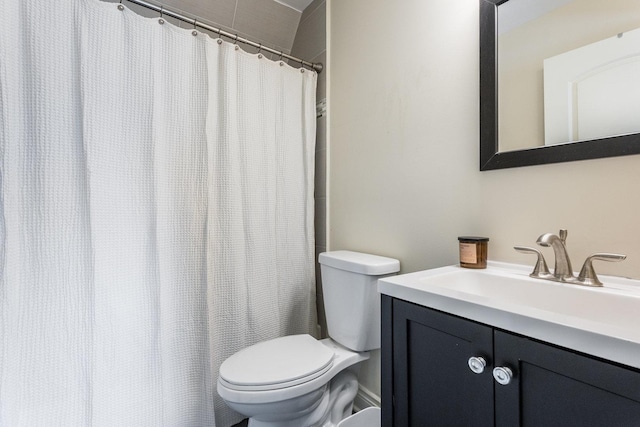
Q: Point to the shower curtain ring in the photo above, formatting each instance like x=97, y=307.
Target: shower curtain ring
x=120, y=6
x=195, y=30
x=260, y=51
x=235, y=40
x=161, y=20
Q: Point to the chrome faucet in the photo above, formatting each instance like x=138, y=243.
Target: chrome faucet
x=563, y=272
x=588, y=275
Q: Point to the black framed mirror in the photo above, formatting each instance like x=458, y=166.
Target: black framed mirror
x=490, y=155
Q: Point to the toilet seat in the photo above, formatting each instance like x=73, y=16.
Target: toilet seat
x=276, y=364
x=342, y=359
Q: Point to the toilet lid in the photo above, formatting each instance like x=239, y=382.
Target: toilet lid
x=277, y=363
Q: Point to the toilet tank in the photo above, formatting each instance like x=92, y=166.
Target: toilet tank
x=351, y=298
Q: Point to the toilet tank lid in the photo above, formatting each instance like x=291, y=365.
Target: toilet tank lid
x=357, y=262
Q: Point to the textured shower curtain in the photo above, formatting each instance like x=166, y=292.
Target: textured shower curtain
x=156, y=214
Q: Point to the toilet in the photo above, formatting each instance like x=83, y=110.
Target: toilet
x=298, y=381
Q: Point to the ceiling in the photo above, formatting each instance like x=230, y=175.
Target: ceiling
x=299, y=5
x=515, y=13
x=271, y=22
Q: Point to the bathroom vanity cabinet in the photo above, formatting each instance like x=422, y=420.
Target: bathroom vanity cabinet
x=427, y=379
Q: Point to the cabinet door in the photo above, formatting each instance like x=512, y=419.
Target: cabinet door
x=432, y=382
x=556, y=387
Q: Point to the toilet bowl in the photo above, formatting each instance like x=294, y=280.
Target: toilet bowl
x=298, y=381
x=291, y=393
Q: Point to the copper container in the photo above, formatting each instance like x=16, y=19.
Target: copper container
x=473, y=251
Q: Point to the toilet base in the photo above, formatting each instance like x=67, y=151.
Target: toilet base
x=333, y=405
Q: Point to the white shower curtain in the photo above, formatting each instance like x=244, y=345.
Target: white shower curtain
x=156, y=214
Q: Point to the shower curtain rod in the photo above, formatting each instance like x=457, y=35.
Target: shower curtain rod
x=317, y=66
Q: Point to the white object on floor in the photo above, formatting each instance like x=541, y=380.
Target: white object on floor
x=369, y=417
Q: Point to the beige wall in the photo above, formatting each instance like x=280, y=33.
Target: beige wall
x=403, y=152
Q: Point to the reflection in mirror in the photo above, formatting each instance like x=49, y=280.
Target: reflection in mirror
x=555, y=59
x=545, y=71
x=593, y=91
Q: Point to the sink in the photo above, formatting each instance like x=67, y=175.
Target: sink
x=612, y=306
x=598, y=321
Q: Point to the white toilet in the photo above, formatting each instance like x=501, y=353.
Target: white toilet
x=298, y=381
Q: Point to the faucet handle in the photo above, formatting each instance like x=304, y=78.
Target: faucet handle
x=588, y=275
x=540, y=270
x=563, y=235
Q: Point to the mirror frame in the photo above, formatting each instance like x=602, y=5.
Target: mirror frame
x=490, y=156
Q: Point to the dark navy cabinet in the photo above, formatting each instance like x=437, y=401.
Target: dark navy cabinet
x=428, y=380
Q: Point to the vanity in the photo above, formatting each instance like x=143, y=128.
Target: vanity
x=489, y=347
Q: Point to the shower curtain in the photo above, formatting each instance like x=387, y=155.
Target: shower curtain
x=156, y=214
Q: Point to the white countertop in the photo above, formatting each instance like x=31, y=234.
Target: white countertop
x=603, y=322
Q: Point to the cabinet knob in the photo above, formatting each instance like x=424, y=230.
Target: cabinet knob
x=477, y=364
x=502, y=375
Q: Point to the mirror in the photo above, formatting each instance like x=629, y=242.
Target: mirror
x=513, y=128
